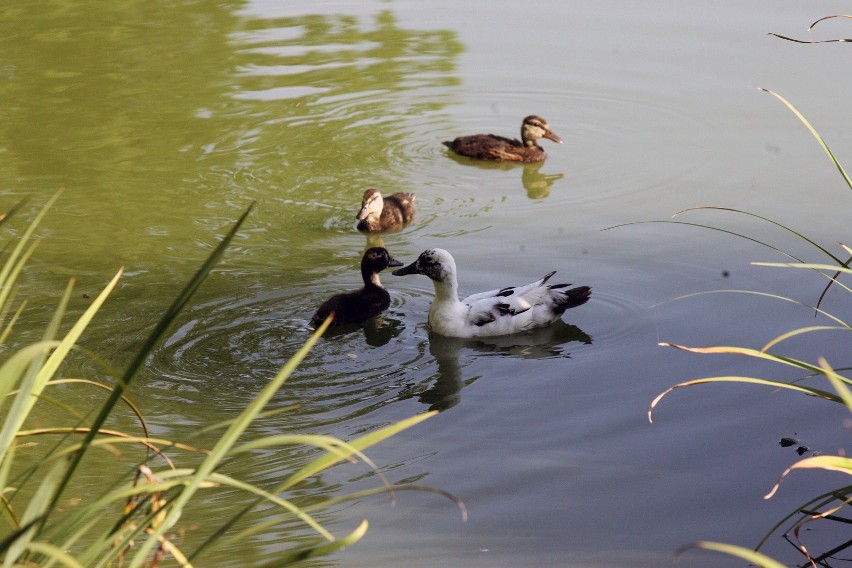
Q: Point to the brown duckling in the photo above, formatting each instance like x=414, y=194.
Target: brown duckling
x=379, y=213
x=360, y=305
x=493, y=147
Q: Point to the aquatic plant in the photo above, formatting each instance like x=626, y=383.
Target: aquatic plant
x=830, y=505
x=133, y=520
x=811, y=27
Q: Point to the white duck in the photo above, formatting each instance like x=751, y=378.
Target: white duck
x=497, y=312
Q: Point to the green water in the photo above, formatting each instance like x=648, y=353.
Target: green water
x=161, y=123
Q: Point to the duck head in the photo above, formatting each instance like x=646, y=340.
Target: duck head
x=437, y=264
x=371, y=204
x=376, y=259
x=535, y=127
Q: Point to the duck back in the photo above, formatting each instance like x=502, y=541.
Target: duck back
x=494, y=147
x=353, y=307
x=397, y=211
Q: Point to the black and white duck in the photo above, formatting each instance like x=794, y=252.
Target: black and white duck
x=497, y=312
x=360, y=305
x=378, y=214
x=493, y=147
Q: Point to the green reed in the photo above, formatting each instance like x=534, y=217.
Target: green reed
x=133, y=520
x=827, y=506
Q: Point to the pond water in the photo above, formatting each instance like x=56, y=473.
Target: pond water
x=163, y=121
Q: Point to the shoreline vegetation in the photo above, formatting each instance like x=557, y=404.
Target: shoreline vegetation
x=831, y=505
x=135, y=520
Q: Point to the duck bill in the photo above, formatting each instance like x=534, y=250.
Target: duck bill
x=362, y=214
x=410, y=269
x=393, y=262
x=550, y=135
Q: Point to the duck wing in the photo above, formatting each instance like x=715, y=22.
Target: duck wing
x=486, y=147
x=353, y=307
x=513, y=309
x=514, y=295
x=398, y=208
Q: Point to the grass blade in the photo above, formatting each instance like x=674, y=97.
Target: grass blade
x=327, y=460
x=289, y=558
x=38, y=507
x=810, y=266
x=802, y=331
x=276, y=500
x=225, y=443
x=747, y=554
x=767, y=220
x=839, y=383
x=5, y=472
x=7, y=284
x=751, y=353
x=765, y=295
x=749, y=380
x=317, y=465
x=712, y=228
x=7, y=330
x=54, y=553
x=814, y=133
x=159, y=330
x=401, y=487
x=828, y=463
x=12, y=263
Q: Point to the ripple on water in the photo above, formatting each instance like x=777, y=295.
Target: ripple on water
x=615, y=319
x=229, y=349
x=658, y=151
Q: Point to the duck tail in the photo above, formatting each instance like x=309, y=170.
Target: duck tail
x=547, y=277
x=322, y=313
x=574, y=297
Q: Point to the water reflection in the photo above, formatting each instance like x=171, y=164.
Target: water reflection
x=543, y=343
x=291, y=111
x=536, y=183
x=332, y=92
x=378, y=330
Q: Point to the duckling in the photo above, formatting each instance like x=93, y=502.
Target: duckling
x=498, y=312
x=493, y=147
x=384, y=214
x=360, y=305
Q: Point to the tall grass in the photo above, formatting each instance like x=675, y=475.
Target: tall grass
x=132, y=520
x=818, y=379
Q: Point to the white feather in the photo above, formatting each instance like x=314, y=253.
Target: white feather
x=496, y=312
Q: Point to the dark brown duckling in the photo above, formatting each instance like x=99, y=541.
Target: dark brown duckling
x=493, y=147
x=379, y=213
x=360, y=305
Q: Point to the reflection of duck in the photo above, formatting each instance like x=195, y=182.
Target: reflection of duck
x=541, y=343
x=537, y=184
x=360, y=305
x=493, y=147
x=497, y=312
x=379, y=213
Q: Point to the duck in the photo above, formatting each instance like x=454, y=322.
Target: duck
x=493, y=147
x=388, y=213
x=496, y=312
x=360, y=305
